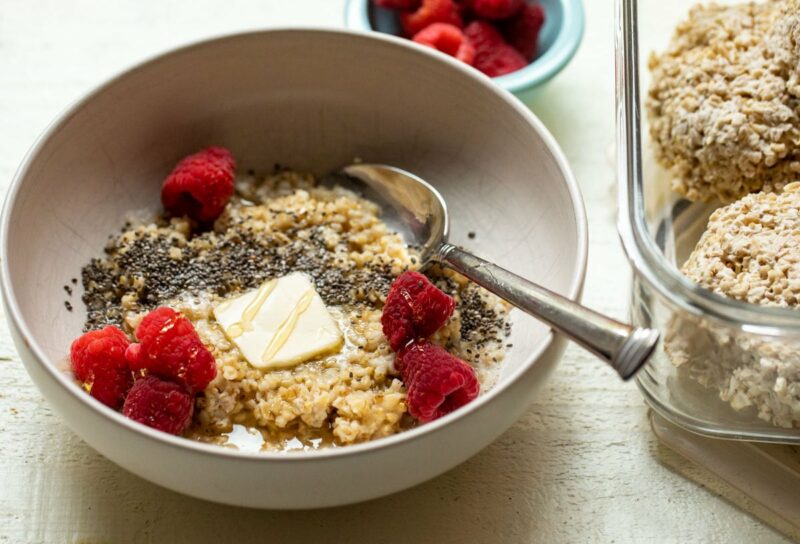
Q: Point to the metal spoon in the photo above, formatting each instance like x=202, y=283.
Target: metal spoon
x=416, y=210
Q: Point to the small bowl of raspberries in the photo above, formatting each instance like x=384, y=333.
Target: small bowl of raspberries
x=520, y=44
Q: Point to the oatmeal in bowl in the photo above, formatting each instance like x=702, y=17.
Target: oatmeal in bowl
x=268, y=312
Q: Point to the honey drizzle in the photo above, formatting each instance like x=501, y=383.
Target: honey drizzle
x=287, y=327
x=251, y=310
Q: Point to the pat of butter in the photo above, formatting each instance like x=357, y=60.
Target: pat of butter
x=281, y=324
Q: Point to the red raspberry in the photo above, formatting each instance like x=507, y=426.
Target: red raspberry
x=200, y=185
x=159, y=404
x=414, y=308
x=522, y=31
x=431, y=11
x=169, y=347
x=398, y=4
x=436, y=381
x=493, y=56
x=448, y=39
x=494, y=9
x=98, y=361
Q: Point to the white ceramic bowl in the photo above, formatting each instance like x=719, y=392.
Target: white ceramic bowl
x=312, y=99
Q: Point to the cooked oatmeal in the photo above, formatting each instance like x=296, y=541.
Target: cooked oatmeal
x=750, y=251
x=275, y=225
x=724, y=102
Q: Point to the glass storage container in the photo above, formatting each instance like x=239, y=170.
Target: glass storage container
x=723, y=368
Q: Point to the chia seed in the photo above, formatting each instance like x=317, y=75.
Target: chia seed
x=480, y=323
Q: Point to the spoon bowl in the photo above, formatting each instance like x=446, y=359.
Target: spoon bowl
x=410, y=206
x=416, y=210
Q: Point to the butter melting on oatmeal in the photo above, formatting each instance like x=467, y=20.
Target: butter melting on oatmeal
x=281, y=324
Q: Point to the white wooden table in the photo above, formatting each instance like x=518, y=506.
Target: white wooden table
x=581, y=466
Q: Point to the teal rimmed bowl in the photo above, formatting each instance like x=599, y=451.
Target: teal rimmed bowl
x=558, y=40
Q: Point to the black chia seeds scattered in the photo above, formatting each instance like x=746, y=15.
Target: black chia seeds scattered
x=68, y=289
x=152, y=267
x=480, y=323
x=68, y=306
x=471, y=235
x=158, y=266
x=238, y=261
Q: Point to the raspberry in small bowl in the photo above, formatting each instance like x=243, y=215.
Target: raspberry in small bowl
x=519, y=44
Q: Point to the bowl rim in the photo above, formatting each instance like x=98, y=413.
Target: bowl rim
x=62, y=378
x=541, y=70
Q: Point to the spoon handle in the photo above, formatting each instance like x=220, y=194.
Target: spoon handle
x=623, y=347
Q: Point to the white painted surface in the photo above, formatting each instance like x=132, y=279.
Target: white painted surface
x=580, y=466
